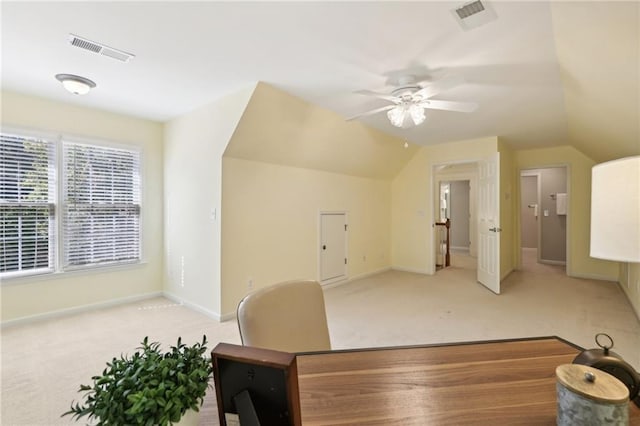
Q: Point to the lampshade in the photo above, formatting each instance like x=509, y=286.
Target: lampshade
x=615, y=210
x=76, y=84
x=406, y=115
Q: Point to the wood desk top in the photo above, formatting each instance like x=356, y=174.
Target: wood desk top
x=509, y=382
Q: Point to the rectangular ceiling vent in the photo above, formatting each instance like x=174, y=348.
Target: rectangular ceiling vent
x=470, y=9
x=474, y=14
x=99, y=48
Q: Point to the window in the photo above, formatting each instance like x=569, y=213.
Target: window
x=98, y=212
x=27, y=204
x=101, y=222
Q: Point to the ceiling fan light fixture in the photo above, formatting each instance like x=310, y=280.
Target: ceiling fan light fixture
x=396, y=115
x=417, y=114
x=75, y=84
x=400, y=114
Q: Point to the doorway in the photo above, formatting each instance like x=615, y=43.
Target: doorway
x=544, y=205
x=457, y=201
x=333, y=247
x=484, y=177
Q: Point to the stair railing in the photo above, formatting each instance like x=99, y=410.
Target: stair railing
x=443, y=241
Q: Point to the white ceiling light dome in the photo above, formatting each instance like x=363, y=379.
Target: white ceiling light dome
x=76, y=84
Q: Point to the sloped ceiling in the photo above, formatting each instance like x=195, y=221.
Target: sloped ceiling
x=599, y=56
x=544, y=73
x=281, y=129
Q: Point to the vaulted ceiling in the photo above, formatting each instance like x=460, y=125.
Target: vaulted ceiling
x=542, y=73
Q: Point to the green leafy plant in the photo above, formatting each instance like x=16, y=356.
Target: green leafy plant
x=149, y=387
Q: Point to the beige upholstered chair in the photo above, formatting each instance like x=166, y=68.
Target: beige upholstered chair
x=288, y=317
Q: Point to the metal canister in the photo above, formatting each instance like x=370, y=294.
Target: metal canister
x=590, y=397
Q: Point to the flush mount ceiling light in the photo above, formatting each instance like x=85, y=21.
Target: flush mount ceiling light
x=75, y=84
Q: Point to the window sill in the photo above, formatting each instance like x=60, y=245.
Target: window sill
x=27, y=278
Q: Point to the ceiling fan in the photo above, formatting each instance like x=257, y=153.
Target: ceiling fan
x=412, y=97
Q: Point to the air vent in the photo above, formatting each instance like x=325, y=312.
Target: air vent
x=99, y=48
x=474, y=14
x=470, y=9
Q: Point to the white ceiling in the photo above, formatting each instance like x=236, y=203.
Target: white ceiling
x=191, y=53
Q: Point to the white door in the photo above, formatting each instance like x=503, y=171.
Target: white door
x=333, y=246
x=489, y=223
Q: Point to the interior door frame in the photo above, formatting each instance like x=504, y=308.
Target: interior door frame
x=568, y=264
x=346, y=246
x=433, y=193
x=473, y=212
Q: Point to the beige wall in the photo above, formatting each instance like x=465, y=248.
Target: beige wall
x=507, y=209
x=271, y=224
x=287, y=160
x=207, y=265
x=630, y=283
x=579, y=263
x=28, y=297
x=412, y=205
x=194, y=145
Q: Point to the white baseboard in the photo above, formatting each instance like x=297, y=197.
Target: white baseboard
x=78, y=309
x=357, y=277
x=553, y=262
x=506, y=274
x=194, y=306
x=228, y=316
x=232, y=315
x=415, y=271
x=333, y=281
x=461, y=248
x=593, y=277
x=628, y=295
x=369, y=274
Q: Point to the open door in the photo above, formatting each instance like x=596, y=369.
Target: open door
x=489, y=223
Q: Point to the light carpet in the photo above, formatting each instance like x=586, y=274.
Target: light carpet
x=43, y=363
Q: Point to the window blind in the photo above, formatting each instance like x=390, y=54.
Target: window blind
x=27, y=204
x=101, y=201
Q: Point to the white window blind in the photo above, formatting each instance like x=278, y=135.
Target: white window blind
x=27, y=204
x=101, y=201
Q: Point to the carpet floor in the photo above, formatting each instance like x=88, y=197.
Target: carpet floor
x=43, y=363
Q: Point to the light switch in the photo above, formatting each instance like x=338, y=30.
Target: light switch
x=546, y=212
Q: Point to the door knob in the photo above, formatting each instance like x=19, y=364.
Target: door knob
x=495, y=229
x=324, y=247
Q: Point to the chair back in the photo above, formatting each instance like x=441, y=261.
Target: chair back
x=288, y=317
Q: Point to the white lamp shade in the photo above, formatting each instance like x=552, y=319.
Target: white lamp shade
x=615, y=210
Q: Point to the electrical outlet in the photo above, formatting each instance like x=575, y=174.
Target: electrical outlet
x=250, y=284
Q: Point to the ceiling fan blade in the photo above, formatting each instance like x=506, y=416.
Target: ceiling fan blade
x=450, y=105
x=379, y=95
x=439, y=86
x=373, y=111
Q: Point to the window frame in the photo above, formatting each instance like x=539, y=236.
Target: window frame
x=52, y=203
x=63, y=205
x=57, y=269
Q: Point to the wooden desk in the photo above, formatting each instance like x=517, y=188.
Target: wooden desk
x=509, y=382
